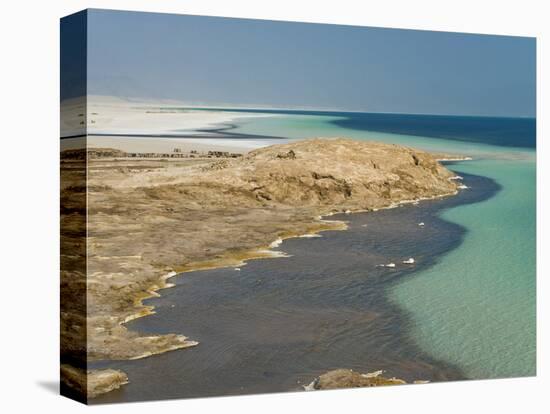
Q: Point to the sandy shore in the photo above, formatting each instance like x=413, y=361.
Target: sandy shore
x=124, y=125
x=150, y=219
x=110, y=115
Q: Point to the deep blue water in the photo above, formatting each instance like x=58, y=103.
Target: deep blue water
x=507, y=132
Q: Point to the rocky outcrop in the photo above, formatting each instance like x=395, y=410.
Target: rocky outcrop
x=336, y=173
x=92, y=383
x=347, y=378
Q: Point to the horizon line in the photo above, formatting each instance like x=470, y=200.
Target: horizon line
x=171, y=102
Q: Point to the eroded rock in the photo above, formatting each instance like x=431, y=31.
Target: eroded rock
x=347, y=378
x=92, y=383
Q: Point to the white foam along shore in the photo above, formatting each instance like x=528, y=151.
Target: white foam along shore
x=125, y=125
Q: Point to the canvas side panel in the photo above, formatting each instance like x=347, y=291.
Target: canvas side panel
x=73, y=72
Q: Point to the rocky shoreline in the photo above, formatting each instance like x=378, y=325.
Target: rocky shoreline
x=347, y=378
x=151, y=219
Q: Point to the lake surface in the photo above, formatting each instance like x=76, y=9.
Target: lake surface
x=477, y=307
x=465, y=310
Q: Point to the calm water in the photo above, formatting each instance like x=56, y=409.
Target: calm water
x=509, y=132
x=476, y=307
x=465, y=310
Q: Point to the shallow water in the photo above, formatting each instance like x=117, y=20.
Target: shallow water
x=475, y=309
x=481, y=312
x=277, y=323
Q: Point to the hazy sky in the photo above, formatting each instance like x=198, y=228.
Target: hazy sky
x=219, y=61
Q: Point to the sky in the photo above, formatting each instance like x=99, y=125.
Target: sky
x=256, y=63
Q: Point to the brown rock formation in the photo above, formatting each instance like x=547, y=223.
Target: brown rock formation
x=93, y=382
x=346, y=378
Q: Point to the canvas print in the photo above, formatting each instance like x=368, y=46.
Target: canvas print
x=255, y=206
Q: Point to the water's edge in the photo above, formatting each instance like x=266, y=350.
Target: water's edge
x=145, y=375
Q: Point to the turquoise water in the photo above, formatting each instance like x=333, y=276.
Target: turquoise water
x=476, y=307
